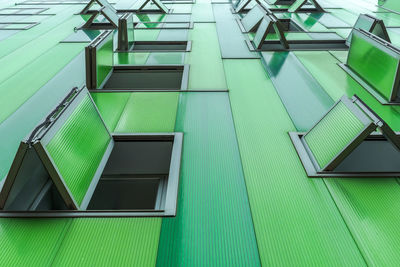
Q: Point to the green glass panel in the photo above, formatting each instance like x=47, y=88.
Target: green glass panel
x=206, y=68
x=333, y=133
x=323, y=66
x=30, y=242
x=104, y=60
x=110, y=242
x=295, y=219
x=110, y=106
x=33, y=76
x=149, y=112
x=213, y=225
x=373, y=63
x=78, y=147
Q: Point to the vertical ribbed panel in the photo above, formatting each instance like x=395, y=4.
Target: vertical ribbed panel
x=78, y=147
x=110, y=242
x=149, y=112
x=110, y=106
x=30, y=242
x=295, y=219
x=213, y=226
x=206, y=68
x=333, y=133
x=370, y=207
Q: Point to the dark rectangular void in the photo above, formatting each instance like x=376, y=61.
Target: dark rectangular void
x=167, y=46
x=134, y=177
x=147, y=78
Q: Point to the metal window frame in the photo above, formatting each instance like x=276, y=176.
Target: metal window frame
x=167, y=199
x=387, y=48
x=375, y=22
x=371, y=122
x=184, y=83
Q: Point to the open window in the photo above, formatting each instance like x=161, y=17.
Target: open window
x=271, y=36
x=252, y=20
x=374, y=63
x=345, y=143
x=372, y=25
x=71, y=166
x=102, y=74
x=109, y=14
x=127, y=43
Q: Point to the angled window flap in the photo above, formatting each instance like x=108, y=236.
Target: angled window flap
x=102, y=3
x=242, y=5
x=269, y=24
x=126, y=35
x=107, y=13
x=297, y=6
x=99, y=58
x=370, y=24
x=141, y=4
x=63, y=155
x=253, y=18
x=378, y=73
x=345, y=142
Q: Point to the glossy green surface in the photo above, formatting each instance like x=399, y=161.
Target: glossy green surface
x=27, y=82
x=213, y=225
x=78, y=147
x=374, y=63
x=295, y=219
x=110, y=106
x=244, y=197
x=148, y=112
x=110, y=242
x=206, y=69
x=333, y=133
x=31, y=242
x=104, y=60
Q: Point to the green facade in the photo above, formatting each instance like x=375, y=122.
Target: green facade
x=244, y=197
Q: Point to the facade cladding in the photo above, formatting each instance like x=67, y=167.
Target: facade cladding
x=182, y=133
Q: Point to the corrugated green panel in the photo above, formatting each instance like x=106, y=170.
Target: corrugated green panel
x=30, y=242
x=110, y=242
x=213, y=226
x=202, y=12
x=149, y=112
x=333, y=133
x=104, y=60
x=295, y=219
x=391, y=4
x=25, y=37
x=371, y=208
x=33, y=76
x=78, y=147
x=19, y=58
x=206, y=69
x=373, y=64
x=110, y=106
x=304, y=98
x=323, y=66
